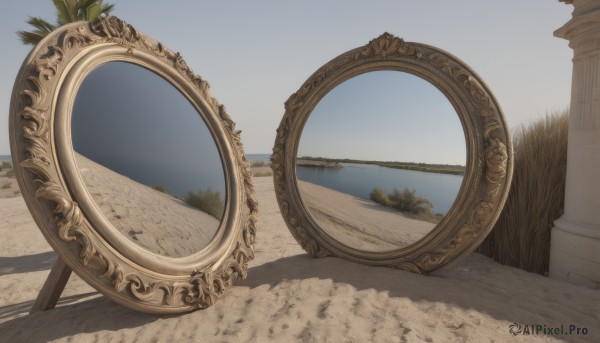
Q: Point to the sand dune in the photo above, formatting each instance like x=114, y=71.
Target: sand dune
x=361, y=223
x=159, y=222
x=291, y=297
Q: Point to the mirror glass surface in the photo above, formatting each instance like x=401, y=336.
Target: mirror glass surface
x=148, y=159
x=381, y=160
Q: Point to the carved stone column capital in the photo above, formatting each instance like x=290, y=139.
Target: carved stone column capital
x=583, y=30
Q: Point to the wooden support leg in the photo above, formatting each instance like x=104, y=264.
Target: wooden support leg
x=53, y=287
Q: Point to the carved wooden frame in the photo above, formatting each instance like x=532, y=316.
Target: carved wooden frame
x=40, y=111
x=489, y=154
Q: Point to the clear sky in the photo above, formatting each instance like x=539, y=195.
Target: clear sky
x=256, y=54
x=385, y=116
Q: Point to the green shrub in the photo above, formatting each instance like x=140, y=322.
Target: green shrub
x=521, y=236
x=379, y=196
x=405, y=201
x=207, y=201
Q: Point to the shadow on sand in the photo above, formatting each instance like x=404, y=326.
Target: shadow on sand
x=70, y=318
x=27, y=264
x=475, y=284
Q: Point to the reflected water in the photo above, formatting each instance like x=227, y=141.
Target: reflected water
x=360, y=179
x=381, y=160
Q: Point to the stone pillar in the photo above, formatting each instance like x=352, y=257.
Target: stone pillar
x=575, y=243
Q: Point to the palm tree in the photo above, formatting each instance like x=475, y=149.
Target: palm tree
x=67, y=11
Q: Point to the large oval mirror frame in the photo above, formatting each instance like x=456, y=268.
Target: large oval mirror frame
x=40, y=122
x=489, y=160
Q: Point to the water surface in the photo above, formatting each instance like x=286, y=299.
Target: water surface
x=360, y=179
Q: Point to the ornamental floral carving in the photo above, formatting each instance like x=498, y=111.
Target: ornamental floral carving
x=66, y=228
x=488, y=173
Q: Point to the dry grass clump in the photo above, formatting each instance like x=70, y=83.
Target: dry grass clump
x=256, y=164
x=405, y=201
x=162, y=189
x=263, y=174
x=207, y=201
x=5, y=165
x=521, y=237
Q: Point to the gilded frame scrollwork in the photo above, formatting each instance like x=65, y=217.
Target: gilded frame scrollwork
x=42, y=98
x=489, y=154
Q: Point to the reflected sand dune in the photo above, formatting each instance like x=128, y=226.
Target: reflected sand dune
x=158, y=222
x=359, y=223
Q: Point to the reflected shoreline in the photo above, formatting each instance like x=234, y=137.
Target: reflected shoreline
x=452, y=169
x=361, y=223
x=360, y=180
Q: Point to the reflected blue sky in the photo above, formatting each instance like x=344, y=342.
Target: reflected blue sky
x=385, y=116
x=134, y=122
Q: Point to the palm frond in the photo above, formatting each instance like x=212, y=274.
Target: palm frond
x=93, y=12
x=106, y=9
x=41, y=25
x=41, y=29
x=64, y=13
x=67, y=11
x=91, y=9
x=30, y=38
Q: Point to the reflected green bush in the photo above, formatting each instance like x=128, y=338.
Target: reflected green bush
x=207, y=201
x=405, y=201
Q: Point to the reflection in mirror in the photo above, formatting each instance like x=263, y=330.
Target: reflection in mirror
x=147, y=159
x=381, y=160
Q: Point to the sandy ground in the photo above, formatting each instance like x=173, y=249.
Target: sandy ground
x=361, y=223
x=291, y=297
x=159, y=222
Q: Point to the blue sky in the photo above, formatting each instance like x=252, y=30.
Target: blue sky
x=256, y=54
x=385, y=116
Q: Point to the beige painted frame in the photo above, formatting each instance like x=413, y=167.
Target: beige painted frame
x=57, y=198
x=489, y=154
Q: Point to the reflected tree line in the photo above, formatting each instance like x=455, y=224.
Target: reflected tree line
x=453, y=169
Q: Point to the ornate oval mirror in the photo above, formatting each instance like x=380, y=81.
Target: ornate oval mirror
x=150, y=165
x=132, y=170
x=380, y=181
x=393, y=154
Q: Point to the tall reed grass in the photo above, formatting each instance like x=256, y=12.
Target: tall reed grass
x=521, y=237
